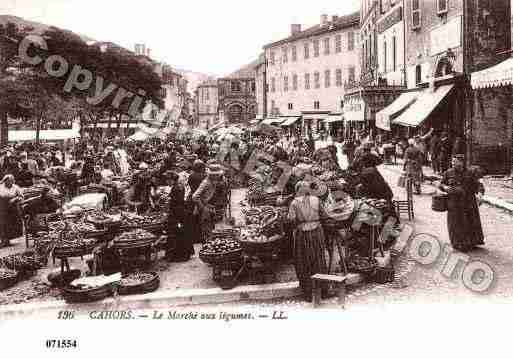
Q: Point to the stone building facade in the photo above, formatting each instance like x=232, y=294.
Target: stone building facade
x=237, y=95
x=447, y=41
x=306, y=71
x=207, y=103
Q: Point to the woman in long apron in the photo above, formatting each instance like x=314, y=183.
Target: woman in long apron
x=10, y=221
x=305, y=212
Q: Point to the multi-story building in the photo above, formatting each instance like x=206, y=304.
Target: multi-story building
x=207, y=102
x=382, y=66
x=237, y=95
x=261, y=87
x=447, y=40
x=306, y=72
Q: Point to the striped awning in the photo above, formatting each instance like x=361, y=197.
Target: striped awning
x=425, y=104
x=273, y=121
x=334, y=119
x=495, y=76
x=290, y=121
x=384, y=117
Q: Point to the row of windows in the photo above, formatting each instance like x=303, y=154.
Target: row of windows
x=442, y=6
x=386, y=64
x=294, y=81
x=327, y=49
x=316, y=105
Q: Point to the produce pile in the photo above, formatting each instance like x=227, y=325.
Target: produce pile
x=220, y=246
x=135, y=238
x=26, y=262
x=7, y=274
x=134, y=220
x=78, y=226
x=259, y=215
x=253, y=234
x=97, y=217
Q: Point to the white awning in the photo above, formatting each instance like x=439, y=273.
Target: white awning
x=425, y=104
x=495, y=76
x=334, y=119
x=273, y=121
x=289, y=121
x=44, y=135
x=315, y=116
x=114, y=125
x=400, y=104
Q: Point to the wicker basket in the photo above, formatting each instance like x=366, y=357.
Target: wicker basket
x=9, y=281
x=384, y=275
x=439, y=202
x=146, y=287
x=75, y=295
x=70, y=252
x=251, y=247
x=221, y=258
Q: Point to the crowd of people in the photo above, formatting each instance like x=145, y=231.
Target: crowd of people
x=190, y=178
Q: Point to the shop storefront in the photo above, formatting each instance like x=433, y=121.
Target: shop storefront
x=363, y=103
x=490, y=128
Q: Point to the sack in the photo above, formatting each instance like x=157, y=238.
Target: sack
x=402, y=181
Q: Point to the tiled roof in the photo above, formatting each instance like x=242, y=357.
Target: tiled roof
x=246, y=71
x=208, y=83
x=341, y=23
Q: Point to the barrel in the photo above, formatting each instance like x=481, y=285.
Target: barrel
x=439, y=203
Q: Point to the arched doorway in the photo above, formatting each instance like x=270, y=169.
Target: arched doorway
x=235, y=113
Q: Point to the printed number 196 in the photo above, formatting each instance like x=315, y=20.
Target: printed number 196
x=65, y=314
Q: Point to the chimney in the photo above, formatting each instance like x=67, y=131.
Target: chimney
x=324, y=20
x=295, y=28
x=334, y=18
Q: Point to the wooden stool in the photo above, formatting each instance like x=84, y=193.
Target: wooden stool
x=339, y=281
x=406, y=206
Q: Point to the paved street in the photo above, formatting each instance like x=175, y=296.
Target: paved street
x=427, y=284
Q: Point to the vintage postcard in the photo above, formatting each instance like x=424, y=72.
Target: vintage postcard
x=285, y=164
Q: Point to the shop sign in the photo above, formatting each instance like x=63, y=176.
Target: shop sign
x=354, y=110
x=445, y=37
x=395, y=17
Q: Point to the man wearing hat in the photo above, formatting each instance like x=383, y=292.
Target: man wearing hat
x=367, y=158
x=204, y=198
x=179, y=246
x=463, y=219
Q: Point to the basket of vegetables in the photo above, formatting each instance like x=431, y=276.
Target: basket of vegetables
x=363, y=265
x=73, y=247
x=103, y=220
x=220, y=250
x=25, y=264
x=253, y=241
x=84, y=294
x=139, y=283
x=137, y=238
x=8, y=278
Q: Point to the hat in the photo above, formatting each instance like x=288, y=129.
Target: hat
x=143, y=166
x=215, y=171
x=171, y=175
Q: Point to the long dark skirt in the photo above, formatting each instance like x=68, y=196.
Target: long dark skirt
x=11, y=225
x=310, y=257
x=464, y=225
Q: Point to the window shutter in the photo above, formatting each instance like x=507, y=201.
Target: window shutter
x=415, y=14
x=442, y=6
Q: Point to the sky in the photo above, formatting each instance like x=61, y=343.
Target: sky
x=213, y=37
